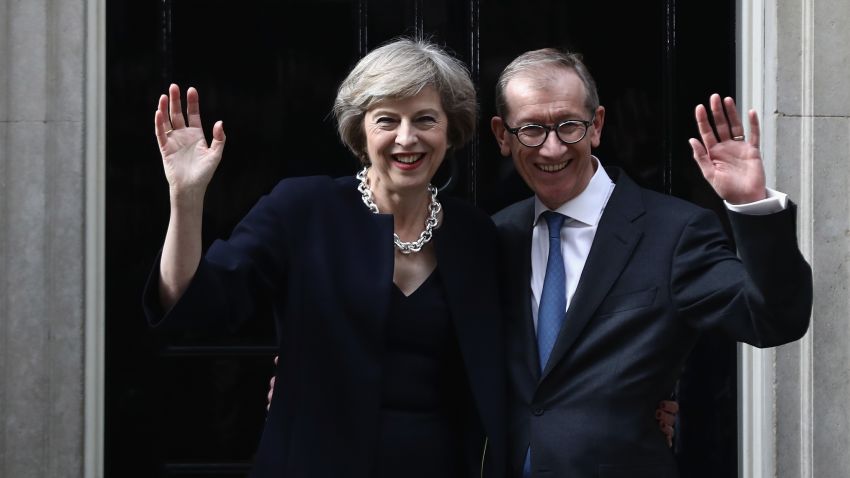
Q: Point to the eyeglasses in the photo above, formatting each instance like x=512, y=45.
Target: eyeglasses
x=568, y=132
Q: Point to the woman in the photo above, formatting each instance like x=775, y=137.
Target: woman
x=389, y=335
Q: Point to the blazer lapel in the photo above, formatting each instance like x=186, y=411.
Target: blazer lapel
x=372, y=265
x=474, y=326
x=615, y=240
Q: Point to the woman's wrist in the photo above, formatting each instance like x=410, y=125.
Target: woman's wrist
x=186, y=199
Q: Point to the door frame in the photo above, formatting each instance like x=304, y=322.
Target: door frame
x=95, y=241
x=756, y=368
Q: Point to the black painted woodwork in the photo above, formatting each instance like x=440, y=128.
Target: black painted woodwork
x=270, y=69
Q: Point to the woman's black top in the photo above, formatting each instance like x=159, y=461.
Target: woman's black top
x=424, y=387
x=331, y=302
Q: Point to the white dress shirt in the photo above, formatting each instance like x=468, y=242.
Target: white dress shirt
x=583, y=214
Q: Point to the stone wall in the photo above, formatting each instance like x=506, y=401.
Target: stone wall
x=807, y=79
x=42, y=234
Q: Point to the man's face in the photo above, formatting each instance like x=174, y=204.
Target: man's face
x=555, y=171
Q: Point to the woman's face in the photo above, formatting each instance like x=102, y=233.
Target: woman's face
x=406, y=140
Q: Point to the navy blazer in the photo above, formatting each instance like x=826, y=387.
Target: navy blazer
x=659, y=272
x=325, y=263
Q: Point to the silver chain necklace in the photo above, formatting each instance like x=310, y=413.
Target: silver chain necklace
x=430, y=223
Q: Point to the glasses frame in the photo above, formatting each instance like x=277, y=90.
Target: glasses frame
x=549, y=129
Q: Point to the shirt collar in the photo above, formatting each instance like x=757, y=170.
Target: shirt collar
x=587, y=207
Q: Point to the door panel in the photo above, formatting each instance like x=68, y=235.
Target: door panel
x=194, y=404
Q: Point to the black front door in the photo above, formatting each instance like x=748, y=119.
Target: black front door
x=194, y=405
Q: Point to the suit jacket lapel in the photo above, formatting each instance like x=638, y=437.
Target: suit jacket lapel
x=615, y=240
x=515, y=232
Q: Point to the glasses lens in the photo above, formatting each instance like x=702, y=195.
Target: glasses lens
x=571, y=131
x=532, y=135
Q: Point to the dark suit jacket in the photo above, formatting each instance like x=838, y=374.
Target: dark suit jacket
x=325, y=262
x=659, y=272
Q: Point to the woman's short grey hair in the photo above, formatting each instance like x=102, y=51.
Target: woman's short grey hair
x=401, y=69
x=544, y=63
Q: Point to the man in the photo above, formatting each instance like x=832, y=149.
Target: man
x=600, y=326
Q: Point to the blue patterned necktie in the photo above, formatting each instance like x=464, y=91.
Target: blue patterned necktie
x=553, y=299
x=553, y=303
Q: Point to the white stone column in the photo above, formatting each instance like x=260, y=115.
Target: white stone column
x=43, y=245
x=802, y=420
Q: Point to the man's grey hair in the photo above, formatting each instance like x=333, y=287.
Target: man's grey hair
x=401, y=69
x=543, y=65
